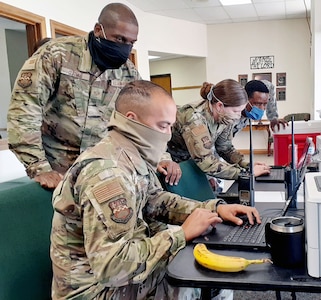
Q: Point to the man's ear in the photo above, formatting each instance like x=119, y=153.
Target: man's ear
x=97, y=30
x=248, y=106
x=131, y=115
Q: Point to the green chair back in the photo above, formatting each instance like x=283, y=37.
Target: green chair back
x=25, y=221
x=193, y=183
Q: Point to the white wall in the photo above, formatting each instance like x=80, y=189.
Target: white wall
x=316, y=57
x=230, y=47
x=156, y=33
x=185, y=72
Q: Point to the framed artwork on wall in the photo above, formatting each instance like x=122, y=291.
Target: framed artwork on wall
x=280, y=94
x=262, y=76
x=243, y=79
x=281, y=79
x=262, y=62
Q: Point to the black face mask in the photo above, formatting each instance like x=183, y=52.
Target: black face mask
x=107, y=54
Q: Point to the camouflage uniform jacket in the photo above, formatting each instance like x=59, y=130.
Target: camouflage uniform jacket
x=196, y=135
x=101, y=241
x=61, y=104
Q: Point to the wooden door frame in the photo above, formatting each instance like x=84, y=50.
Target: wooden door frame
x=63, y=29
x=164, y=76
x=35, y=24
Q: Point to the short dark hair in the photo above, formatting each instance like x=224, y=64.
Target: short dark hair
x=135, y=95
x=114, y=12
x=255, y=86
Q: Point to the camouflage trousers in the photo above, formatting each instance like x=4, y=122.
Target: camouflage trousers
x=163, y=291
x=154, y=287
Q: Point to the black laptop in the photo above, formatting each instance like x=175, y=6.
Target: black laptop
x=276, y=175
x=247, y=236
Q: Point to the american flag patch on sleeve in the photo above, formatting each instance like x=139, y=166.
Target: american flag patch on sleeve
x=108, y=191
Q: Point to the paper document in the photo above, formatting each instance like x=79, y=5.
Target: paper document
x=276, y=196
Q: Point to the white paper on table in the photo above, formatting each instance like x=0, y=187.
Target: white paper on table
x=275, y=196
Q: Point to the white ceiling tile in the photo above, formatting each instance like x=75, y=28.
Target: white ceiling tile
x=266, y=9
x=268, y=1
x=195, y=3
x=152, y=5
x=240, y=20
x=294, y=7
x=241, y=11
x=184, y=14
x=212, y=12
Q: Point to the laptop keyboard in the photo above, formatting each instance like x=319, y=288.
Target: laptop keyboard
x=277, y=173
x=248, y=234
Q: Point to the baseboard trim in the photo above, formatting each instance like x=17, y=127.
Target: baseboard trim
x=255, y=151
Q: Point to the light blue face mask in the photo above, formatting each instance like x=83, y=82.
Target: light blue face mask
x=255, y=113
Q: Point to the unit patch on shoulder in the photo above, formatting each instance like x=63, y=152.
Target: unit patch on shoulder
x=25, y=79
x=107, y=191
x=200, y=129
x=121, y=213
x=207, y=143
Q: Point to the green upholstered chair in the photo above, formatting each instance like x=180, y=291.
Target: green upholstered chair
x=193, y=183
x=25, y=221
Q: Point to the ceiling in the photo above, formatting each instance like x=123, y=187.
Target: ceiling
x=212, y=12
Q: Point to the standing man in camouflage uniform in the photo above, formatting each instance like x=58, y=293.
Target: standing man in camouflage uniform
x=110, y=235
x=64, y=95
x=203, y=131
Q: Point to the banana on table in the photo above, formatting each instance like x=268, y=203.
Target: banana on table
x=223, y=263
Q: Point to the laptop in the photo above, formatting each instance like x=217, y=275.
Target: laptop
x=277, y=173
x=247, y=236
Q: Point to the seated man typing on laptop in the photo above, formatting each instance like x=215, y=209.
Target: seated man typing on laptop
x=110, y=236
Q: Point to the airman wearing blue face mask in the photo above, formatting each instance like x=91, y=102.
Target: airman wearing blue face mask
x=255, y=113
x=259, y=101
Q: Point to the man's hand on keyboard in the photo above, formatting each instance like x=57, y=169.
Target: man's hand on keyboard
x=230, y=212
x=260, y=169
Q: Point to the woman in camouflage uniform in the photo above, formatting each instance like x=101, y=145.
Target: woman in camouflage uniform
x=203, y=131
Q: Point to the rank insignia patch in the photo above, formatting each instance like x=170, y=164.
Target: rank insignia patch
x=25, y=79
x=121, y=213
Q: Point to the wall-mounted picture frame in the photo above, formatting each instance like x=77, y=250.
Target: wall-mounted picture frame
x=280, y=94
x=262, y=62
x=262, y=76
x=243, y=78
x=281, y=79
